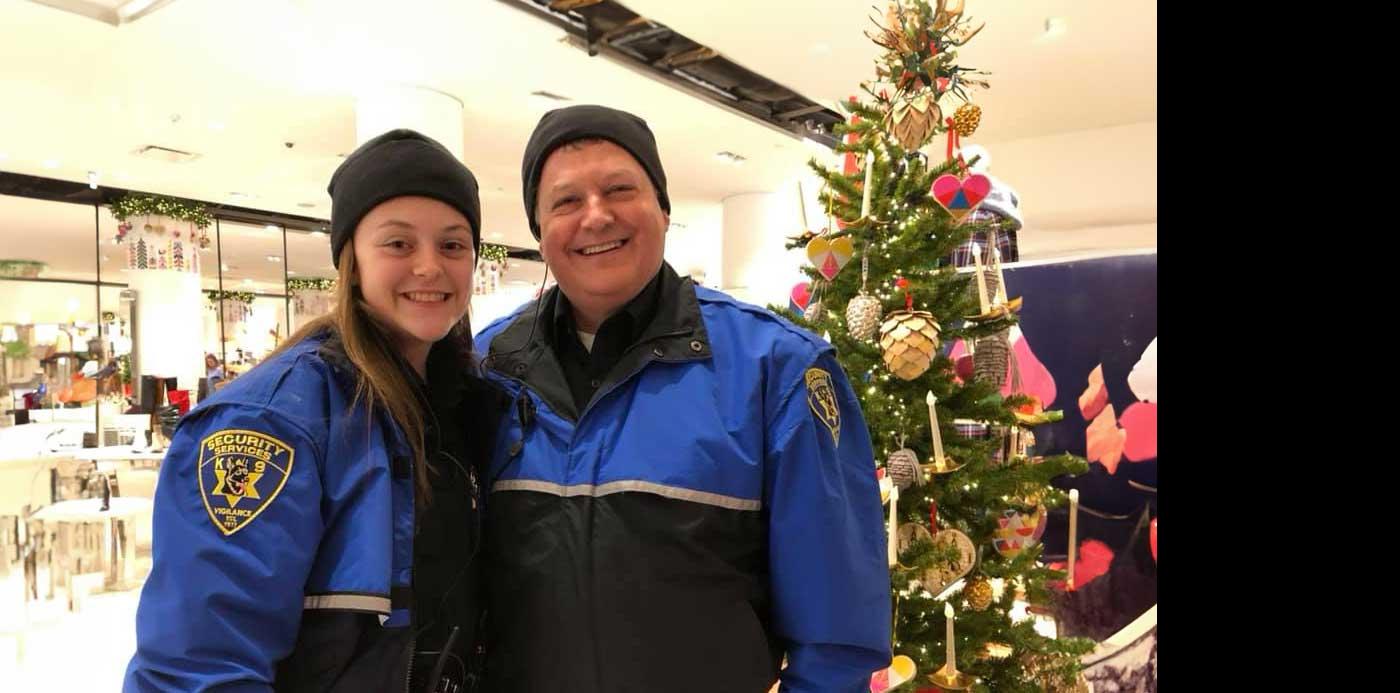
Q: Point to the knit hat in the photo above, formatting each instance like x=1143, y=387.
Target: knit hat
x=565, y=125
x=395, y=164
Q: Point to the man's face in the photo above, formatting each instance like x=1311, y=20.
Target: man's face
x=602, y=231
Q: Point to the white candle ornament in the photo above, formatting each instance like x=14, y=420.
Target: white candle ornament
x=865, y=200
x=938, y=459
x=1073, y=533
x=952, y=665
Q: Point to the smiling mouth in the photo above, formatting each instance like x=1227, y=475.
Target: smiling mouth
x=602, y=248
x=426, y=296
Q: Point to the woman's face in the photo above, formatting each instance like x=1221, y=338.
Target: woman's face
x=413, y=266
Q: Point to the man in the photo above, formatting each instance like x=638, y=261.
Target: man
x=685, y=493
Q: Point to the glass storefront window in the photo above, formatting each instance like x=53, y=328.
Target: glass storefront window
x=309, y=273
x=52, y=358
x=71, y=307
x=251, y=318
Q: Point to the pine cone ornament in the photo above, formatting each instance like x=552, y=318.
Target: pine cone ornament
x=978, y=593
x=814, y=312
x=967, y=118
x=915, y=122
x=863, y=316
x=990, y=358
x=903, y=468
x=908, y=342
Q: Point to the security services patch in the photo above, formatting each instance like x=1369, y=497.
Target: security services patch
x=821, y=397
x=240, y=474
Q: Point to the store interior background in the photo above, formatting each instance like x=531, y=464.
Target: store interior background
x=1070, y=123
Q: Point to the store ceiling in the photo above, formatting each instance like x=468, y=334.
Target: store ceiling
x=234, y=82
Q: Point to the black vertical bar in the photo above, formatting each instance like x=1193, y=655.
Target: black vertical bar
x=101, y=339
x=219, y=258
x=286, y=292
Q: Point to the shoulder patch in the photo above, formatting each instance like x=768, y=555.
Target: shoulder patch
x=821, y=397
x=240, y=474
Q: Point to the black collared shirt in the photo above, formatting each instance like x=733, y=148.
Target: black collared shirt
x=586, y=370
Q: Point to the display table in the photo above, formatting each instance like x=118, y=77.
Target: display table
x=82, y=526
x=138, y=459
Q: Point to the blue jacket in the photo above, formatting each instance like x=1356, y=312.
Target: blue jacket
x=713, y=509
x=284, y=523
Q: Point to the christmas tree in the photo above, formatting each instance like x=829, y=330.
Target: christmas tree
x=962, y=503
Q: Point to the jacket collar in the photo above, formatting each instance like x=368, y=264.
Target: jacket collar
x=676, y=333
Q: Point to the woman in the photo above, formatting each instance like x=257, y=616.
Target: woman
x=213, y=371
x=316, y=520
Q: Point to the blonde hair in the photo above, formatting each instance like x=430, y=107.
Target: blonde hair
x=379, y=379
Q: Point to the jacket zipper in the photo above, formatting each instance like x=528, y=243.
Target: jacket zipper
x=412, y=574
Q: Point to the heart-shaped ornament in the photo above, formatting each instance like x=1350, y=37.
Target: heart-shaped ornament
x=900, y=671
x=961, y=196
x=938, y=577
x=829, y=256
x=1017, y=531
x=800, y=296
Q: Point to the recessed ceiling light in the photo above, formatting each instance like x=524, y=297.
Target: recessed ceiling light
x=307, y=205
x=240, y=196
x=92, y=179
x=274, y=258
x=291, y=271
x=216, y=125
x=495, y=235
x=224, y=267
x=104, y=258
x=1055, y=27
x=4, y=156
x=273, y=228
x=247, y=282
x=318, y=233
x=51, y=163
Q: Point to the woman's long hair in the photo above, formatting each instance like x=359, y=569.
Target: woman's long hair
x=380, y=381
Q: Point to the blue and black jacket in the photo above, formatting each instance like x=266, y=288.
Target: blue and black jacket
x=710, y=511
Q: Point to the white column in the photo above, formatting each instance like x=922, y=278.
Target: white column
x=170, y=329
x=755, y=266
x=381, y=108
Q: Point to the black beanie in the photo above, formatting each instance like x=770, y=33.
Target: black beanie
x=566, y=125
x=395, y=164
